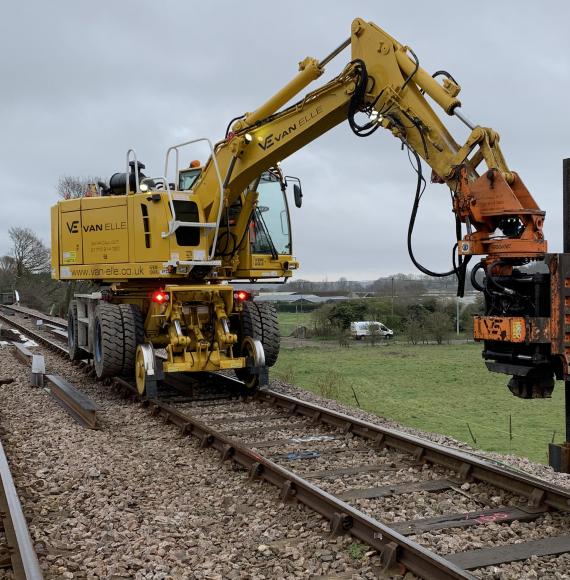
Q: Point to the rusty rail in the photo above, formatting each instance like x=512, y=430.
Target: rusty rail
x=26, y=312
x=24, y=561
x=81, y=408
x=465, y=464
x=394, y=547
x=73, y=401
x=23, y=353
x=57, y=346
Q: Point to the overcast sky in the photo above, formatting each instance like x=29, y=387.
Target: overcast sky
x=81, y=82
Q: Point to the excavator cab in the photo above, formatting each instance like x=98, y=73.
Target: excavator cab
x=266, y=250
x=187, y=177
x=270, y=228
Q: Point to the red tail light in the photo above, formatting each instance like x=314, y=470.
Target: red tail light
x=160, y=296
x=241, y=296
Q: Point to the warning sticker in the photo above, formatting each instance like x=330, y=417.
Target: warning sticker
x=69, y=257
x=517, y=329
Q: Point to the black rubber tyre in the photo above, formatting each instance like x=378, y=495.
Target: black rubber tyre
x=133, y=330
x=75, y=353
x=259, y=320
x=271, y=339
x=249, y=325
x=108, y=340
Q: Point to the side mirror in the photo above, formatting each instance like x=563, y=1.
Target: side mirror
x=297, y=191
x=298, y=195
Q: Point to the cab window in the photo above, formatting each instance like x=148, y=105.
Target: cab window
x=187, y=178
x=270, y=231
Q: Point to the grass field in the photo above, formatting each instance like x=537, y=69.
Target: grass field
x=288, y=321
x=438, y=388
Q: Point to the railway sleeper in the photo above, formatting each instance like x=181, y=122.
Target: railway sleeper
x=541, y=493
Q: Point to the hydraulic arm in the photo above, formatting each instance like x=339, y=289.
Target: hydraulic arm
x=384, y=86
x=385, y=81
x=216, y=222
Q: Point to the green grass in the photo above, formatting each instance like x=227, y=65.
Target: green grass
x=288, y=321
x=356, y=551
x=437, y=388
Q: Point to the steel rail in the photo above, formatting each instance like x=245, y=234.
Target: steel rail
x=57, y=346
x=25, y=565
x=465, y=464
x=22, y=310
x=80, y=407
x=77, y=405
x=343, y=517
x=394, y=547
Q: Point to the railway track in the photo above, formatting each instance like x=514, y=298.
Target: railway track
x=411, y=499
x=54, y=341
x=16, y=550
x=54, y=320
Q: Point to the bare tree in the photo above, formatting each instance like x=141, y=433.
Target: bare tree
x=71, y=187
x=28, y=252
x=415, y=330
x=7, y=272
x=7, y=266
x=439, y=325
x=321, y=323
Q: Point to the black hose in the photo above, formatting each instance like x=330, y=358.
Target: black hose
x=439, y=73
x=444, y=73
x=460, y=268
x=502, y=289
x=417, y=61
x=474, y=282
x=238, y=246
x=225, y=252
x=232, y=122
x=419, y=191
x=356, y=105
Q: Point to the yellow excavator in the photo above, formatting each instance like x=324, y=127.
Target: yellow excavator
x=164, y=249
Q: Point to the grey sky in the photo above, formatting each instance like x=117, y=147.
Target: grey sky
x=84, y=81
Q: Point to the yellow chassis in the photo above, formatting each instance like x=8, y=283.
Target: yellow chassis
x=193, y=326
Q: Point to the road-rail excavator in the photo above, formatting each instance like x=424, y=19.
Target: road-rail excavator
x=165, y=249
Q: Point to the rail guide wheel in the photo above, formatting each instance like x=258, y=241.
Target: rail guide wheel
x=147, y=371
x=255, y=373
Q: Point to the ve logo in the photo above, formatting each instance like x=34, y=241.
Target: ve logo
x=73, y=227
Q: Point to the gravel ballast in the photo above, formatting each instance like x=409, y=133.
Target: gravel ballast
x=138, y=500
x=537, y=469
x=412, y=506
x=350, y=452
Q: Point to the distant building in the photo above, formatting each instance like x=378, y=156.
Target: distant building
x=469, y=298
x=294, y=298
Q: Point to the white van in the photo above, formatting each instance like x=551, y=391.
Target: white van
x=360, y=330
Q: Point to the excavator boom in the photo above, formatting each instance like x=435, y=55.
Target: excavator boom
x=220, y=222
x=496, y=216
x=385, y=80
